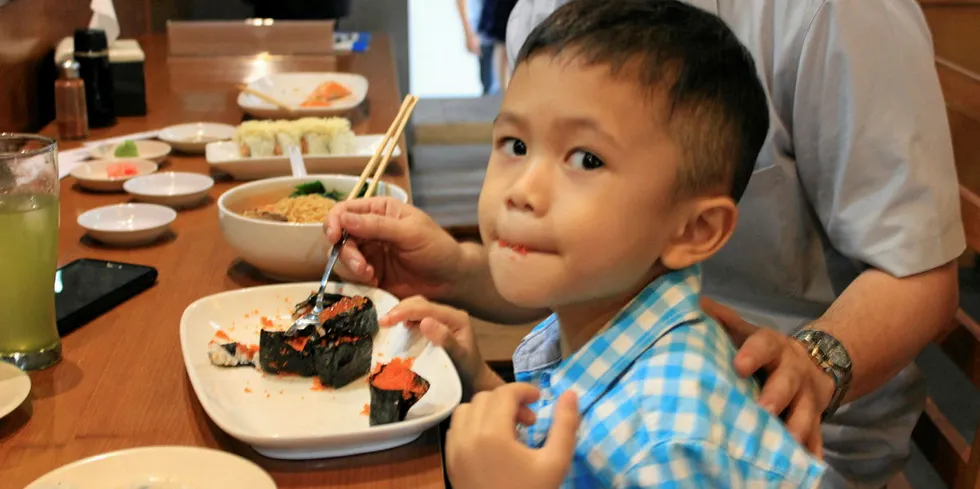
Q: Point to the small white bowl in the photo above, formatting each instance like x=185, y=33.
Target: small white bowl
x=193, y=137
x=174, y=189
x=127, y=224
x=93, y=175
x=154, y=151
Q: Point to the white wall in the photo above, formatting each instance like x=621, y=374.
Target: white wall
x=440, y=65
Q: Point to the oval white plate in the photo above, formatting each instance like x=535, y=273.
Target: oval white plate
x=283, y=417
x=92, y=175
x=194, y=136
x=170, y=467
x=127, y=224
x=293, y=88
x=15, y=386
x=154, y=151
x=174, y=189
x=226, y=156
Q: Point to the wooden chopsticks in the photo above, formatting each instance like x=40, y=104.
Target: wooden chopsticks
x=382, y=155
x=268, y=98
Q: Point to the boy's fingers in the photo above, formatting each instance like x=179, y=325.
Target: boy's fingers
x=417, y=308
x=526, y=417
x=564, y=427
x=352, y=265
x=440, y=335
x=507, y=401
x=759, y=350
x=800, y=421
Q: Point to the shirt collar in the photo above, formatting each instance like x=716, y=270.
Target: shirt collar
x=667, y=302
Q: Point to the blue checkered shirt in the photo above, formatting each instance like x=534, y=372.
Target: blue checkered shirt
x=660, y=401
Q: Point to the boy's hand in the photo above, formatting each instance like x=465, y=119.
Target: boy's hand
x=483, y=449
x=448, y=328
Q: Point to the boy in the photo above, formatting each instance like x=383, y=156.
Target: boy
x=628, y=132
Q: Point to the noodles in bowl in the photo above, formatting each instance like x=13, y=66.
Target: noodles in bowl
x=308, y=204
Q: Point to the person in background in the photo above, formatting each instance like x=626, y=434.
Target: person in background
x=478, y=45
x=488, y=40
x=848, y=233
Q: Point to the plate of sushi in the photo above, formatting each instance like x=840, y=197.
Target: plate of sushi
x=339, y=387
x=308, y=94
x=260, y=149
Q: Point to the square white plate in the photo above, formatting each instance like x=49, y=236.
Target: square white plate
x=284, y=417
x=226, y=156
x=293, y=88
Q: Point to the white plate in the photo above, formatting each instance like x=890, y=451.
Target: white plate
x=194, y=136
x=283, y=417
x=92, y=175
x=127, y=224
x=293, y=88
x=15, y=386
x=173, y=189
x=154, y=151
x=227, y=157
x=163, y=467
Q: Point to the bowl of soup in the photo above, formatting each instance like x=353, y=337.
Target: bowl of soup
x=276, y=224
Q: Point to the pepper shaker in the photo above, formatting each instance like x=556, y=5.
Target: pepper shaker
x=70, y=108
x=92, y=55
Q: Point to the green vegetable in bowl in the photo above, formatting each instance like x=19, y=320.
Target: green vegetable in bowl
x=127, y=149
x=316, y=187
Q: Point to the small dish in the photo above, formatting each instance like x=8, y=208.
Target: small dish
x=154, y=151
x=174, y=189
x=193, y=137
x=172, y=467
x=15, y=386
x=293, y=88
x=127, y=224
x=94, y=175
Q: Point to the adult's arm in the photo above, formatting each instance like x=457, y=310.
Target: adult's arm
x=874, y=155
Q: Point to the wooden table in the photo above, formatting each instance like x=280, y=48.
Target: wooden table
x=122, y=382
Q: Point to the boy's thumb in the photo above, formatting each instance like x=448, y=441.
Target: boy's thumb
x=564, y=427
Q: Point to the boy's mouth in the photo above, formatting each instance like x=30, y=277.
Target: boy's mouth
x=516, y=248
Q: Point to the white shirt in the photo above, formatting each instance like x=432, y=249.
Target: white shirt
x=857, y=171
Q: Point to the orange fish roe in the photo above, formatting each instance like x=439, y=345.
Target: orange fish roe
x=343, y=305
x=221, y=335
x=266, y=322
x=247, y=390
x=298, y=343
x=366, y=411
x=397, y=376
x=318, y=385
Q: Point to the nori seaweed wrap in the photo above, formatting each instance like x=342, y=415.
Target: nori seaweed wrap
x=340, y=361
x=349, y=316
x=281, y=354
x=395, y=388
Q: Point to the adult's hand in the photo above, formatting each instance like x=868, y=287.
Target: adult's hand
x=394, y=246
x=795, y=388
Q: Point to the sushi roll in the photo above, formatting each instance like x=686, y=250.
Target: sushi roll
x=395, y=388
x=340, y=361
x=287, y=135
x=349, y=316
x=256, y=139
x=281, y=354
x=315, y=135
x=342, y=140
x=226, y=352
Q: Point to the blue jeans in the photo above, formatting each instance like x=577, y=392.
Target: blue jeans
x=487, y=78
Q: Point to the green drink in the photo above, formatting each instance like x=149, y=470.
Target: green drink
x=28, y=251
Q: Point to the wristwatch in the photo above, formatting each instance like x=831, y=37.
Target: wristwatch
x=832, y=358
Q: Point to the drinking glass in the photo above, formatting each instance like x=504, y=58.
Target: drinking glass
x=28, y=250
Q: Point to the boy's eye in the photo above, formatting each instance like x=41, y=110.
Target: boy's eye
x=583, y=160
x=513, y=147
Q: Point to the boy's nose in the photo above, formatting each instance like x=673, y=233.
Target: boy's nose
x=531, y=192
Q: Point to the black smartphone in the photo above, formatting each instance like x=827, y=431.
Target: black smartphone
x=86, y=289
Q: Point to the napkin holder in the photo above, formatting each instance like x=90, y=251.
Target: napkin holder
x=127, y=62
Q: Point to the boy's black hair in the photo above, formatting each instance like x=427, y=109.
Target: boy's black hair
x=716, y=106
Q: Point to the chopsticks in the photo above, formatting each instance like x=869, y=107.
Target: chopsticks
x=268, y=98
x=385, y=149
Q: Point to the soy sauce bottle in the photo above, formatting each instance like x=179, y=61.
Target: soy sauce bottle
x=92, y=55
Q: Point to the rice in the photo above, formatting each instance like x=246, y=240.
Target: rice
x=305, y=209
x=313, y=135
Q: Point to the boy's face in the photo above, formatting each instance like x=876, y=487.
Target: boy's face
x=578, y=202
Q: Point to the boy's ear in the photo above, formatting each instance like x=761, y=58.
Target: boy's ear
x=708, y=225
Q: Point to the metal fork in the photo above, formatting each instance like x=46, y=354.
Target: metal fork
x=312, y=318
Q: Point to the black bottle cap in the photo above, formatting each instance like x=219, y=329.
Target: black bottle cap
x=90, y=40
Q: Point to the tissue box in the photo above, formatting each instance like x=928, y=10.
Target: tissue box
x=127, y=61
